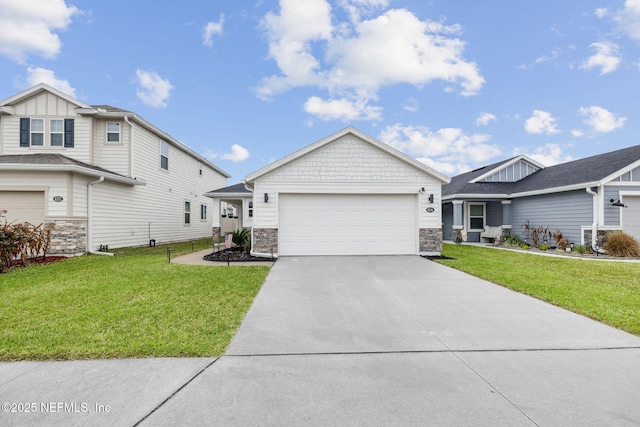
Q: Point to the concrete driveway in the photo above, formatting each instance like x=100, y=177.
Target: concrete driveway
x=406, y=341
x=363, y=341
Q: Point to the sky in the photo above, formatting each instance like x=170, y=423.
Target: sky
x=457, y=84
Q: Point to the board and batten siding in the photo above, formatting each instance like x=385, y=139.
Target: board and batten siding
x=566, y=211
x=47, y=106
x=124, y=214
x=347, y=165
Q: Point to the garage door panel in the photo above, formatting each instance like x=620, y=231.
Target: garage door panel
x=23, y=206
x=327, y=224
x=631, y=216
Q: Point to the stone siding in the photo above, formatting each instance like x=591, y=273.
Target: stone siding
x=431, y=240
x=68, y=238
x=265, y=240
x=215, y=234
x=602, y=236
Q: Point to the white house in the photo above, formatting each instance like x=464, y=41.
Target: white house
x=347, y=194
x=102, y=175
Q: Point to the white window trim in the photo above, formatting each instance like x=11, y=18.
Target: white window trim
x=162, y=145
x=184, y=217
x=203, y=212
x=106, y=133
x=51, y=132
x=467, y=216
x=43, y=132
x=200, y=168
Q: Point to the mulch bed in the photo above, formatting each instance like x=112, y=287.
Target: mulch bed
x=34, y=261
x=235, y=254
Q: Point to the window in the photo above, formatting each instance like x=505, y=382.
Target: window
x=476, y=216
x=203, y=212
x=164, y=155
x=60, y=132
x=200, y=168
x=56, y=132
x=113, y=132
x=251, y=209
x=187, y=212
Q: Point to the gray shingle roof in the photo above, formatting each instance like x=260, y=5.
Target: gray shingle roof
x=583, y=171
x=236, y=188
x=49, y=159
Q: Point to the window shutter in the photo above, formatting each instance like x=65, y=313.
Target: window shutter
x=68, y=133
x=24, y=132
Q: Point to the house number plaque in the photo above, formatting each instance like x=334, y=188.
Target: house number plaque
x=431, y=210
x=58, y=198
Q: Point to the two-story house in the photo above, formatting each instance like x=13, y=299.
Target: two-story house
x=102, y=175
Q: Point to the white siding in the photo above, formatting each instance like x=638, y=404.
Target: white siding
x=347, y=165
x=46, y=105
x=123, y=213
x=113, y=156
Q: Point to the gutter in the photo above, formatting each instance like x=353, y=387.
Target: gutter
x=89, y=218
x=594, y=225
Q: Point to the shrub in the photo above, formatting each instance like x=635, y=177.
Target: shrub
x=620, y=244
x=543, y=247
x=581, y=249
x=240, y=236
x=23, y=241
x=513, y=240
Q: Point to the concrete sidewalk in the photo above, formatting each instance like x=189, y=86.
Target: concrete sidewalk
x=360, y=341
x=196, y=258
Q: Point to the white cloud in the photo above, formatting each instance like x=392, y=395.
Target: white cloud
x=554, y=54
x=448, y=150
x=484, y=119
x=237, y=155
x=628, y=19
x=354, y=60
x=30, y=26
x=600, y=120
x=548, y=155
x=606, y=57
x=601, y=12
x=38, y=75
x=154, y=91
x=411, y=105
x=577, y=133
x=212, y=29
x=341, y=109
x=541, y=122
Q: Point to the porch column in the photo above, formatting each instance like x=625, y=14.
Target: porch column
x=506, y=217
x=458, y=223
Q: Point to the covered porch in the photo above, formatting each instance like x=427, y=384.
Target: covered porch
x=232, y=209
x=476, y=220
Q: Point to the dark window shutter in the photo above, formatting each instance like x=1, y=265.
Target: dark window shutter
x=24, y=132
x=68, y=133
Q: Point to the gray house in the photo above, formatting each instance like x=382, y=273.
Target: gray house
x=584, y=198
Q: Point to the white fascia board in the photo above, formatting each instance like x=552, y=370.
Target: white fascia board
x=476, y=196
x=507, y=164
x=214, y=195
x=318, y=144
x=580, y=186
x=39, y=88
x=71, y=168
x=6, y=110
x=616, y=174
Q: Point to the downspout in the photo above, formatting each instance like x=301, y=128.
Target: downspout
x=132, y=150
x=90, y=220
x=594, y=225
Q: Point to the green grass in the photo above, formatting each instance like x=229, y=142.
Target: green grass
x=135, y=304
x=605, y=291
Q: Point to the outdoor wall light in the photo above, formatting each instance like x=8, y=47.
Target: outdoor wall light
x=266, y=197
x=430, y=198
x=617, y=203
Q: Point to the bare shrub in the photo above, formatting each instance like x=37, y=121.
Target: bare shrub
x=620, y=244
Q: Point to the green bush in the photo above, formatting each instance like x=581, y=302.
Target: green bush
x=240, y=236
x=513, y=240
x=543, y=247
x=581, y=249
x=620, y=244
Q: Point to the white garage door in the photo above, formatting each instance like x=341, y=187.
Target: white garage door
x=347, y=224
x=631, y=216
x=23, y=206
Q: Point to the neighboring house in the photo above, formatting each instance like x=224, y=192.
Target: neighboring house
x=103, y=176
x=347, y=194
x=583, y=199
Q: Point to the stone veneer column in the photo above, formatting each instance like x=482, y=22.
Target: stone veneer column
x=69, y=237
x=215, y=234
x=265, y=241
x=431, y=240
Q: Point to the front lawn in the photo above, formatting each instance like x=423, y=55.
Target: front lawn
x=606, y=291
x=135, y=304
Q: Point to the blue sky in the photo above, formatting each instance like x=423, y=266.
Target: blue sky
x=456, y=84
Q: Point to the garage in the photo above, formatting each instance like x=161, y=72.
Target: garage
x=347, y=224
x=23, y=206
x=631, y=216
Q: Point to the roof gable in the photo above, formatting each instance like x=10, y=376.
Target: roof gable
x=336, y=154
x=512, y=170
x=36, y=90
